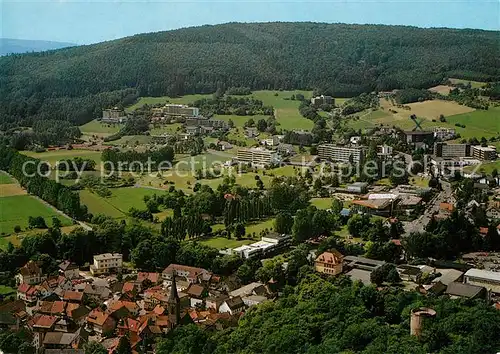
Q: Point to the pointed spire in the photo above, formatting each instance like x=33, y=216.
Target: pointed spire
x=173, y=289
x=174, y=303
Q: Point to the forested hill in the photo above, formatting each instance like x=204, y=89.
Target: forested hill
x=9, y=45
x=75, y=83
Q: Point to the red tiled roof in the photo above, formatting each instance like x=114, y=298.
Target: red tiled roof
x=44, y=321
x=128, y=287
x=396, y=242
x=483, y=230
x=193, y=271
x=30, y=269
x=97, y=317
x=23, y=288
x=153, y=277
x=331, y=257
x=72, y=295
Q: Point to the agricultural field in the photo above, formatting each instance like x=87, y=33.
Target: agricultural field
x=52, y=157
x=474, y=84
x=15, y=210
x=119, y=203
x=98, y=128
x=441, y=89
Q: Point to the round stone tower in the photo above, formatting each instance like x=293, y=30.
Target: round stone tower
x=418, y=317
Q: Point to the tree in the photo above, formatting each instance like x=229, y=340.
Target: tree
x=94, y=348
x=123, y=346
x=283, y=223
x=261, y=125
x=36, y=222
x=337, y=206
x=239, y=231
x=357, y=224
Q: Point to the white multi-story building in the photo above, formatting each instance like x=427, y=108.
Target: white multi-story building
x=487, y=153
x=444, y=133
x=340, y=153
x=107, y=263
x=258, y=156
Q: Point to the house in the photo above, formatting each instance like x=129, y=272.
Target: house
x=69, y=270
x=196, y=294
x=468, y=291
x=357, y=187
x=28, y=293
x=329, y=262
x=408, y=273
x=232, y=305
x=107, y=263
x=214, y=302
x=97, y=292
x=100, y=321
x=247, y=290
x=52, y=307
x=30, y=274
x=192, y=274
x=60, y=340
x=154, y=278
x=73, y=296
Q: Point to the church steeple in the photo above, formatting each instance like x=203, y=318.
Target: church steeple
x=174, y=303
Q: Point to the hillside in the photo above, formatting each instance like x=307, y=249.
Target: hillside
x=12, y=46
x=75, y=83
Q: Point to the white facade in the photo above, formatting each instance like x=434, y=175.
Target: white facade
x=107, y=263
x=489, y=280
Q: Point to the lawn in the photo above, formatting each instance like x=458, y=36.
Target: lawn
x=165, y=99
x=322, y=203
x=5, y=178
x=419, y=181
x=53, y=157
x=15, y=210
x=6, y=290
x=158, y=129
x=487, y=167
x=119, y=203
x=474, y=84
x=239, y=121
x=478, y=123
x=132, y=140
x=223, y=243
x=96, y=127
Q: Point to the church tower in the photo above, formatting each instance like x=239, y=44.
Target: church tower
x=174, y=303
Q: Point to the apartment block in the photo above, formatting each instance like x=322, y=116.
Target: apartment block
x=180, y=110
x=319, y=100
x=107, y=263
x=444, y=133
x=257, y=156
x=484, y=153
x=339, y=153
x=452, y=150
x=199, y=121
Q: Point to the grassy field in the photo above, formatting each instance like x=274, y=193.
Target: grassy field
x=474, y=84
x=119, y=203
x=322, y=203
x=132, y=140
x=5, y=178
x=54, y=156
x=239, y=121
x=222, y=242
x=15, y=210
x=6, y=290
x=165, y=99
x=96, y=127
x=164, y=128
x=478, y=123
x=484, y=168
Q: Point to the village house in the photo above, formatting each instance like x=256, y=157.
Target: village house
x=30, y=274
x=197, y=293
x=107, y=263
x=330, y=263
x=232, y=305
x=100, y=321
x=69, y=270
x=214, y=302
x=192, y=274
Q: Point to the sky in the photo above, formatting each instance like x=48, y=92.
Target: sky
x=91, y=21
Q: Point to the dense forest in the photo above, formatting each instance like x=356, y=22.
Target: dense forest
x=319, y=317
x=345, y=60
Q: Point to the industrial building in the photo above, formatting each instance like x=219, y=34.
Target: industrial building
x=270, y=244
x=338, y=153
x=177, y=110
x=487, y=279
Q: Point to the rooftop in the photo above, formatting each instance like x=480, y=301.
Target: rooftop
x=463, y=290
x=483, y=274
x=103, y=256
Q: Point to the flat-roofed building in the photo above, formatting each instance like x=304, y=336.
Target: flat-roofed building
x=479, y=277
x=417, y=136
x=339, y=153
x=486, y=153
x=451, y=150
x=444, y=133
x=180, y=110
x=113, y=115
x=107, y=263
x=258, y=156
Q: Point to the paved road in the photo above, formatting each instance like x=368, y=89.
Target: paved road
x=418, y=225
